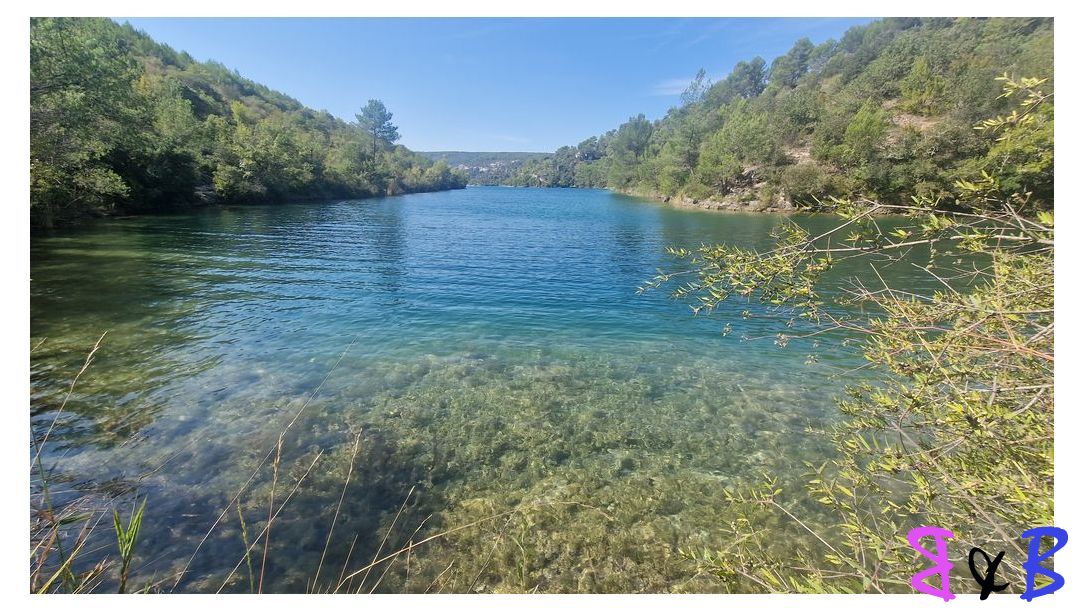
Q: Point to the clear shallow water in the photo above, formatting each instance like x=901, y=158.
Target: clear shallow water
x=486, y=349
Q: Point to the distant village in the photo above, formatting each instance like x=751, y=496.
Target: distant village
x=485, y=168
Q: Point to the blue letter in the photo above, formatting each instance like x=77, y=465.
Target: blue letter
x=1032, y=565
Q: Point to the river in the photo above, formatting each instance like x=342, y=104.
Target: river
x=477, y=361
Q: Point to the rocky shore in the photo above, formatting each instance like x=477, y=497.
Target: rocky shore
x=739, y=201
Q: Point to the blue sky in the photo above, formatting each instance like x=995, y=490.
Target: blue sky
x=488, y=84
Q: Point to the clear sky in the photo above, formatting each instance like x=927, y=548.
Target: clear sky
x=488, y=84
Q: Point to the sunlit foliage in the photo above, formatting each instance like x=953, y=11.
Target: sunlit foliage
x=884, y=111
x=959, y=432
x=120, y=123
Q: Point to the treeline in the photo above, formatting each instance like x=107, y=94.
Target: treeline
x=888, y=110
x=120, y=123
x=485, y=168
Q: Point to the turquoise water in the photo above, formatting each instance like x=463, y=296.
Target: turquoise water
x=477, y=360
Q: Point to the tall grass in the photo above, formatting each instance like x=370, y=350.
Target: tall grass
x=245, y=542
x=126, y=541
x=50, y=526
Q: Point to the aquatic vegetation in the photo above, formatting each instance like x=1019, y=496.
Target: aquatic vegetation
x=597, y=472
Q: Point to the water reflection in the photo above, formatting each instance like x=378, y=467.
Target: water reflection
x=486, y=348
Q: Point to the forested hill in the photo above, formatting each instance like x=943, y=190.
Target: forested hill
x=121, y=123
x=485, y=168
x=885, y=112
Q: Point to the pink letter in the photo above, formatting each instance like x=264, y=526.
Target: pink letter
x=942, y=564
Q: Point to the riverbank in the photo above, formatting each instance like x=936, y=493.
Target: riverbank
x=739, y=202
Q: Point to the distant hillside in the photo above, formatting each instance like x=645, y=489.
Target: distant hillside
x=121, y=123
x=884, y=112
x=485, y=168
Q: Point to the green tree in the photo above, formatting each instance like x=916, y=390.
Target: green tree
x=864, y=135
x=718, y=167
x=673, y=172
x=789, y=68
x=683, y=146
x=589, y=150
x=1021, y=153
x=748, y=79
x=696, y=89
x=750, y=135
x=806, y=183
x=262, y=161
x=163, y=164
x=923, y=89
x=81, y=98
x=376, y=121
x=633, y=137
x=591, y=174
x=799, y=110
